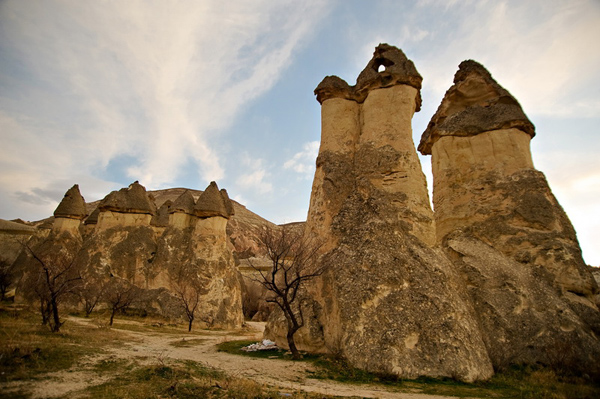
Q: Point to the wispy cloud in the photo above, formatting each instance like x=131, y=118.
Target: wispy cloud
x=255, y=180
x=157, y=81
x=303, y=162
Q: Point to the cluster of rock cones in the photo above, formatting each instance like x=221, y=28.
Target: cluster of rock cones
x=493, y=277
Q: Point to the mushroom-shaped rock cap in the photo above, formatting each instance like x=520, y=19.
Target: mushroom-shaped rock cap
x=334, y=87
x=72, y=205
x=211, y=203
x=228, y=202
x=398, y=70
x=474, y=104
x=133, y=199
x=184, y=203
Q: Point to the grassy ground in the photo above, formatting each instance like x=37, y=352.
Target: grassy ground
x=518, y=382
x=29, y=351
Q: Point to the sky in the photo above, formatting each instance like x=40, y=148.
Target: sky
x=180, y=93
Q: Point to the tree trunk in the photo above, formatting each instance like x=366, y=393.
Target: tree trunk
x=44, y=311
x=292, y=344
x=190, y=324
x=112, y=316
x=56, y=325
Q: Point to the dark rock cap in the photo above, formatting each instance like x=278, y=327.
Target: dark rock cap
x=161, y=219
x=132, y=199
x=228, y=203
x=476, y=103
x=72, y=205
x=398, y=70
x=184, y=203
x=93, y=218
x=211, y=203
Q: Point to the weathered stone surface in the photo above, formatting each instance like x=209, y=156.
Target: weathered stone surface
x=211, y=203
x=498, y=221
x=524, y=320
x=12, y=236
x=133, y=199
x=72, y=205
x=388, y=67
x=389, y=303
x=184, y=203
x=476, y=103
x=161, y=218
x=133, y=242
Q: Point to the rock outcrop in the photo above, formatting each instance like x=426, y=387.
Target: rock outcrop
x=129, y=206
x=127, y=238
x=496, y=279
x=389, y=303
x=498, y=221
x=70, y=211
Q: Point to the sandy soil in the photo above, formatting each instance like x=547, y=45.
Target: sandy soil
x=150, y=348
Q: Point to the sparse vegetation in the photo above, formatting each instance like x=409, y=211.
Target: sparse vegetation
x=294, y=257
x=29, y=351
x=516, y=382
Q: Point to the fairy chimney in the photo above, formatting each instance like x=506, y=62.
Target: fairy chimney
x=366, y=138
x=129, y=206
x=499, y=222
x=181, y=212
x=389, y=303
x=213, y=209
x=485, y=181
x=71, y=210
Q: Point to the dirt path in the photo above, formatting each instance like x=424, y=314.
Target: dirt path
x=147, y=347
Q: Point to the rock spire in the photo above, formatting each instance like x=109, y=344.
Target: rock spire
x=72, y=205
x=504, y=230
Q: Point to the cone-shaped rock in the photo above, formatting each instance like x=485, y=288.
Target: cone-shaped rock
x=72, y=205
x=93, y=218
x=475, y=104
x=211, y=203
x=184, y=203
x=132, y=199
x=228, y=203
x=505, y=231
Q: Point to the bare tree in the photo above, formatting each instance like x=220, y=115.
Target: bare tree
x=189, y=286
x=55, y=277
x=91, y=292
x=294, y=259
x=119, y=295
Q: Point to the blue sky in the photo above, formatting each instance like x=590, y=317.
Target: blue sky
x=179, y=93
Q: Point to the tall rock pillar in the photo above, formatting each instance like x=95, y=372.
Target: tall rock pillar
x=512, y=242
x=485, y=182
x=389, y=302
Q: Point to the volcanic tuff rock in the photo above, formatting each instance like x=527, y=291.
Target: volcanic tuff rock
x=72, y=205
x=132, y=241
x=497, y=280
x=498, y=221
x=389, y=303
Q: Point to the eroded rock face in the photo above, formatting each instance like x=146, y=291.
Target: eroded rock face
x=131, y=241
x=499, y=222
x=389, y=303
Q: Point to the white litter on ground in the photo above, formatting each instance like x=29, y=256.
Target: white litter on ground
x=265, y=345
